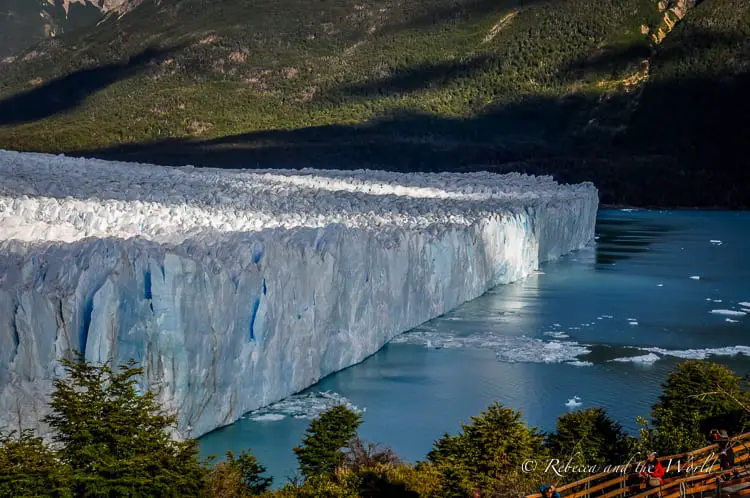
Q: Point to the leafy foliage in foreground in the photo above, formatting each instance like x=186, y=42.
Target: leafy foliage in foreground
x=237, y=477
x=589, y=438
x=697, y=397
x=496, y=443
x=29, y=468
x=115, y=441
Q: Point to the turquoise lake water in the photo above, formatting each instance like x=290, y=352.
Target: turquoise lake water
x=600, y=327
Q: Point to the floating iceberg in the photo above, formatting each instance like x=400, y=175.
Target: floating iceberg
x=234, y=288
x=574, y=402
x=728, y=312
x=645, y=359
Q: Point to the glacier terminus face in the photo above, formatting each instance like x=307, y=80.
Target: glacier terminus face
x=236, y=288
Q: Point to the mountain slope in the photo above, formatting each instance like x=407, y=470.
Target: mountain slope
x=565, y=87
x=25, y=22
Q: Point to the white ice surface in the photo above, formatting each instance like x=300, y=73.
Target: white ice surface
x=238, y=288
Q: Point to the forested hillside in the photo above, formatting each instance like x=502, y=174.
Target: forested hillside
x=642, y=97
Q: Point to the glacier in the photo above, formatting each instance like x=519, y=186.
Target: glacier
x=237, y=288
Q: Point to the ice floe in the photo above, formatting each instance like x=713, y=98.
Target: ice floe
x=574, y=402
x=508, y=349
x=700, y=354
x=645, y=359
x=302, y=406
x=728, y=312
x=579, y=363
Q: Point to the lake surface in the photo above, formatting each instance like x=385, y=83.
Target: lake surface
x=605, y=324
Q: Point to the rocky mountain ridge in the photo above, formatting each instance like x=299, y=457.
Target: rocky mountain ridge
x=25, y=22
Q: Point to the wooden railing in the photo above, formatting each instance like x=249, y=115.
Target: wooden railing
x=676, y=481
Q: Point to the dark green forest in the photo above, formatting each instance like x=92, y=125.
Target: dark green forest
x=650, y=106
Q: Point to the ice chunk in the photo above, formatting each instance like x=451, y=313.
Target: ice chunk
x=700, y=354
x=238, y=288
x=728, y=312
x=696, y=277
x=645, y=359
x=574, y=402
x=744, y=304
x=729, y=320
x=267, y=417
x=579, y=363
x=716, y=242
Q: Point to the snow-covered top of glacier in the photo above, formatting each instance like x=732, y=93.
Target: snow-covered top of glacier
x=57, y=198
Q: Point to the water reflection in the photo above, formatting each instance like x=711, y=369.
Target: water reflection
x=620, y=239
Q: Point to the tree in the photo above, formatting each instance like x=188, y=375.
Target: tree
x=492, y=447
x=321, y=449
x=238, y=477
x=29, y=468
x=696, y=397
x=589, y=437
x=250, y=471
x=362, y=455
x=115, y=440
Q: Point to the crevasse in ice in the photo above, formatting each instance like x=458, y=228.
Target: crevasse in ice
x=237, y=288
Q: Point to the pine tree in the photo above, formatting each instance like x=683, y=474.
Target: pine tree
x=589, y=437
x=489, y=451
x=117, y=441
x=321, y=450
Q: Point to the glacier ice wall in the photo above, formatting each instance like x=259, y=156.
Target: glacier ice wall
x=235, y=289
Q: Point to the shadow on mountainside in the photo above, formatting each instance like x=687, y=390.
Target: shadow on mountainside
x=70, y=91
x=536, y=136
x=681, y=142
x=421, y=77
